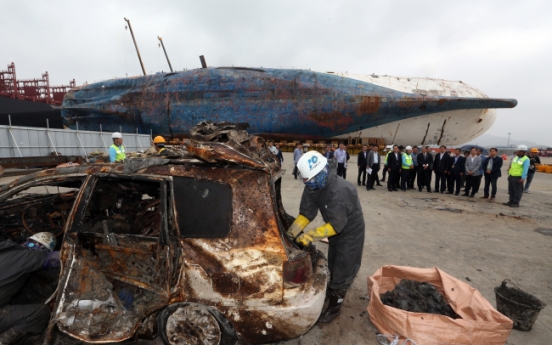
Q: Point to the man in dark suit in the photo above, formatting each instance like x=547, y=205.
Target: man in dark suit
x=425, y=167
x=373, y=162
x=456, y=171
x=440, y=165
x=329, y=153
x=394, y=161
x=492, y=166
x=361, y=163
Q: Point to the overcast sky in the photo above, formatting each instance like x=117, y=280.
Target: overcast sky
x=502, y=47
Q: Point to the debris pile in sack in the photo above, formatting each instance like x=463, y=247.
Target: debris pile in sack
x=418, y=297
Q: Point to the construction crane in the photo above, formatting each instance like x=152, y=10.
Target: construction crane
x=165, y=51
x=136, y=46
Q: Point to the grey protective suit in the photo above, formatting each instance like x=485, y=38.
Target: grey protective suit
x=16, y=263
x=339, y=205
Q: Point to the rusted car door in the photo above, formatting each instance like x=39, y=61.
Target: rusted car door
x=116, y=265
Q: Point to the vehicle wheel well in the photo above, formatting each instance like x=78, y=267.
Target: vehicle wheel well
x=228, y=333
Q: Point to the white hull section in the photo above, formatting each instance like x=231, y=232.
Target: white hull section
x=445, y=128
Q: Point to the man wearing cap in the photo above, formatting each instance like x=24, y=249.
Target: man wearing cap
x=406, y=167
x=159, y=144
x=117, y=150
x=337, y=200
x=17, y=262
x=533, y=161
x=517, y=174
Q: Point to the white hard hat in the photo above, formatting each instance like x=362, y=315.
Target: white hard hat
x=409, y=147
x=116, y=135
x=522, y=148
x=47, y=239
x=311, y=163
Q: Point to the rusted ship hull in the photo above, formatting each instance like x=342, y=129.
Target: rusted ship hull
x=281, y=103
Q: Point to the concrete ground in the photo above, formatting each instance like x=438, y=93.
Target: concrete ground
x=485, y=243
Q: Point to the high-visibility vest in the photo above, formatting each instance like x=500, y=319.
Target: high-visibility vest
x=386, y=157
x=119, y=152
x=516, y=169
x=408, y=160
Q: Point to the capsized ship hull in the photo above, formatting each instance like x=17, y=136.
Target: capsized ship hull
x=289, y=104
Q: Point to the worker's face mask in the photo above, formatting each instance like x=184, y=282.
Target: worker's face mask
x=319, y=181
x=30, y=244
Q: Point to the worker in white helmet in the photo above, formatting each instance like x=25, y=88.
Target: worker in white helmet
x=117, y=152
x=337, y=200
x=17, y=262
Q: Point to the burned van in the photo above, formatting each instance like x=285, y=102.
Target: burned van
x=192, y=247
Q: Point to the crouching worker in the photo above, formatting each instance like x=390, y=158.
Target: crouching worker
x=17, y=262
x=159, y=144
x=337, y=200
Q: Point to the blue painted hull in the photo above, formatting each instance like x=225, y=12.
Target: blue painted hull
x=275, y=102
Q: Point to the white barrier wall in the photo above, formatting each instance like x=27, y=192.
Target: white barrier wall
x=31, y=141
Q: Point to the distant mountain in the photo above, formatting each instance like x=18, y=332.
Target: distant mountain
x=488, y=140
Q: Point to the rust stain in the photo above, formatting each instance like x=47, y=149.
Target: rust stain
x=369, y=104
x=237, y=273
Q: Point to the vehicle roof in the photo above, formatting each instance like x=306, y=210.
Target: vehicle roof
x=211, y=144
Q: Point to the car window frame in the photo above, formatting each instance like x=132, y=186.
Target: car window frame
x=75, y=223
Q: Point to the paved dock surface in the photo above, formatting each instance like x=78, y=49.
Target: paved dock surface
x=468, y=238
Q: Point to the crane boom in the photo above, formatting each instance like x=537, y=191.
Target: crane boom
x=165, y=51
x=136, y=46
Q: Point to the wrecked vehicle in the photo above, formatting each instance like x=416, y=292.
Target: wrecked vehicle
x=192, y=247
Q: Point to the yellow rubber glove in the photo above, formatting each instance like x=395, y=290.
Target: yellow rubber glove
x=298, y=225
x=317, y=234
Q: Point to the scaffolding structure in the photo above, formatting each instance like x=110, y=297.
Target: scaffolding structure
x=35, y=90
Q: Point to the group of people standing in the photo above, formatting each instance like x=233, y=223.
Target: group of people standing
x=452, y=172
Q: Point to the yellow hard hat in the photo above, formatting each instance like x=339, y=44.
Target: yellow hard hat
x=535, y=150
x=158, y=139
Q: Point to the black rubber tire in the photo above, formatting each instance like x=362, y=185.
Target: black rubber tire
x=227, y=332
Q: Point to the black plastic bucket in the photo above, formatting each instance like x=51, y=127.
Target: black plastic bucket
x=520, y=306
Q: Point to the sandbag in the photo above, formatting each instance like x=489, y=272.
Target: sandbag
x=479, y=322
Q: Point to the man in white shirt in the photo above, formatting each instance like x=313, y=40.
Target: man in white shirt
x=271, y=147
x=342, y=157
x=373, y=162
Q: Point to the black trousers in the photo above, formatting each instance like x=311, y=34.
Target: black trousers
x=341, y=169
x=412, y=177
x=405, y=178
x=424, y=178
x=454, y=179
x=361, y=171
x=515, y=189
x=442, y=178
x=472, y=183
x=373, y=177
x=393, y=179
x=345, y=257
x=295, y=171
x=24, y=318
x=384, y=172
x=490, y=182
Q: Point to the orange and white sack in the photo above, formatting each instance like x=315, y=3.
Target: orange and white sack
x=480, y=322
